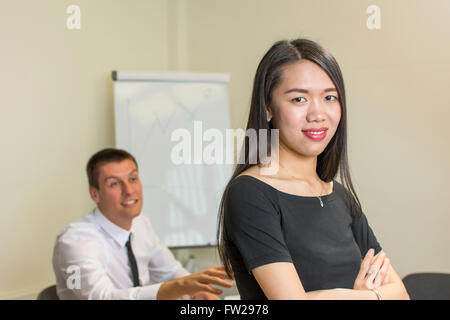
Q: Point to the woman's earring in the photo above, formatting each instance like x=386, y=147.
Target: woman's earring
x=269, y=118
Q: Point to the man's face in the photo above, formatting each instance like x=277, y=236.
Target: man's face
x=119, y=196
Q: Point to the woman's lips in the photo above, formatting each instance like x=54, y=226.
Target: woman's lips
x=316, y=135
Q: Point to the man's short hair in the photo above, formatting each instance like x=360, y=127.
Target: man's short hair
x=103, y=157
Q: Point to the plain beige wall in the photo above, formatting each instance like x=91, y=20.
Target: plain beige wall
x=57, y=107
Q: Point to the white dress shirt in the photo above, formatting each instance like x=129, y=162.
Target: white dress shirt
x=90, y=260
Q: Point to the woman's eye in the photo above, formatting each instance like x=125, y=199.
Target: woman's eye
x=133, y=179
x=298, y=99
x=331, y=98
x=113, y=184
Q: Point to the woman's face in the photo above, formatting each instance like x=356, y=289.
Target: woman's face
x=305, y=108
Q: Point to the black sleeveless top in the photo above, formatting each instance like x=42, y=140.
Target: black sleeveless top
x=264, y=225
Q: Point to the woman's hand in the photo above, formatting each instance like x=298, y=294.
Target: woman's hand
x=374, y=271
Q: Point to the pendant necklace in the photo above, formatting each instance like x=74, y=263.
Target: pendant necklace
x=303, y=180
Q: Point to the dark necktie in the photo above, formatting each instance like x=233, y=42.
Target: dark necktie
x=133, y=264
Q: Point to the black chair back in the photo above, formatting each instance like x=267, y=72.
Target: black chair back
x=48, y=294
x=428, y=286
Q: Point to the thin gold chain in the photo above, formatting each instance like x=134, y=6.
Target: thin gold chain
x=303, y=180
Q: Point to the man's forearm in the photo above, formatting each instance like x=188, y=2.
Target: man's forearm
x=390, y=291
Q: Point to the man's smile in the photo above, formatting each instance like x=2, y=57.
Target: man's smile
x=129, y=203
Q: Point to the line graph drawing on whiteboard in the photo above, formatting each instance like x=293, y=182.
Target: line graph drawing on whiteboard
x=181, y=200
x=158, y=117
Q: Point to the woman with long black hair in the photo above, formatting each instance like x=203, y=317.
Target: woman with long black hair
x=297, y=233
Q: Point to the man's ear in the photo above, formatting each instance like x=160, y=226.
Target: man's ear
x=93, y=191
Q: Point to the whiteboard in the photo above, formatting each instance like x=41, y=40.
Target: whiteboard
x=181, y=200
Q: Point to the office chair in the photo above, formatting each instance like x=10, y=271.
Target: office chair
x=48, y=294
x=428, y=286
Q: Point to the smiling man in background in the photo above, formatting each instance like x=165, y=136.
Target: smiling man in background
x=114, y=251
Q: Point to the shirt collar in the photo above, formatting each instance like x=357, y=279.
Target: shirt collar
x=117, y=233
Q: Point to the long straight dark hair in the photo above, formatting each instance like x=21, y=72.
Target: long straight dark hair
x=267, y=78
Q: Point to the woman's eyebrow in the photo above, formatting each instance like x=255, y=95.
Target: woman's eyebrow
x=306, y=91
